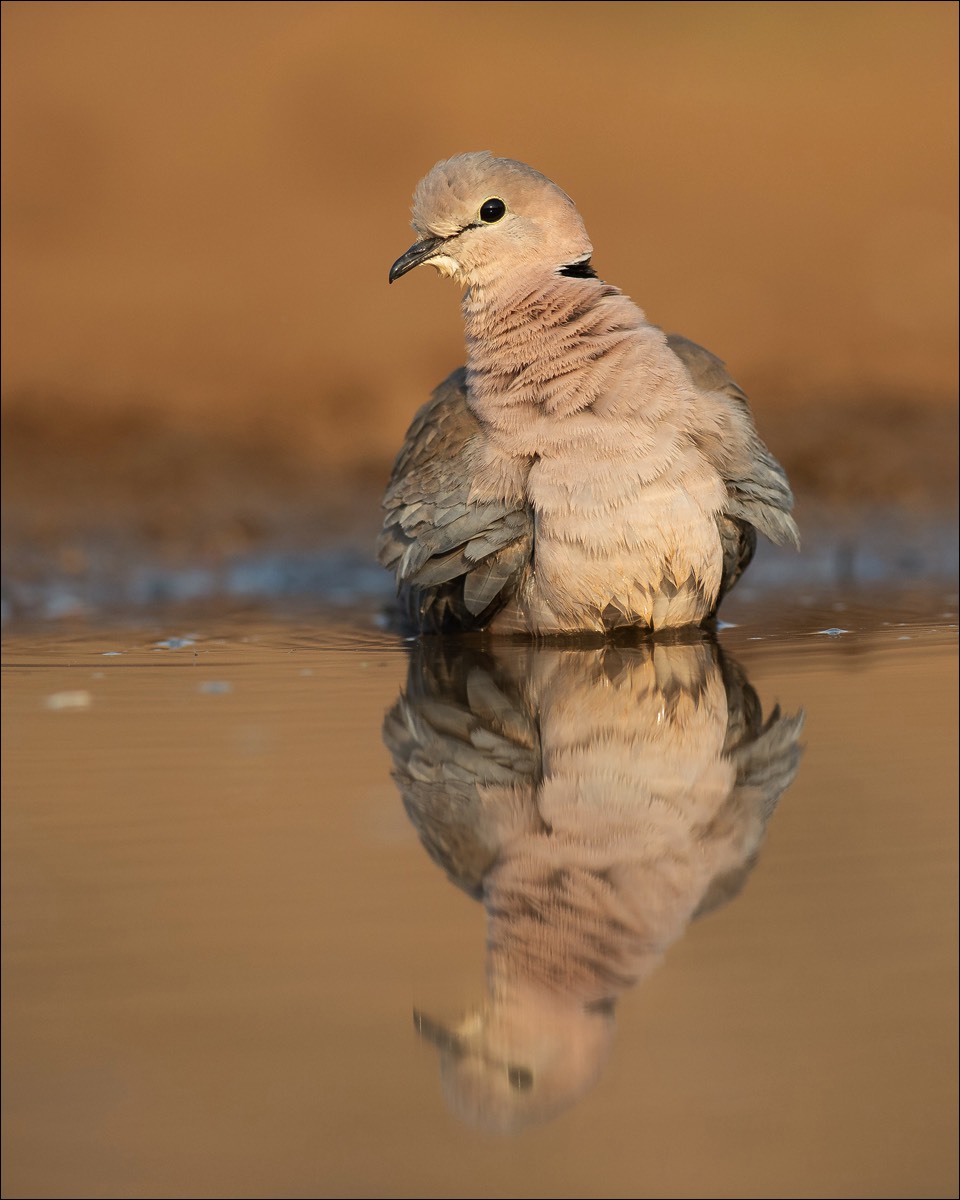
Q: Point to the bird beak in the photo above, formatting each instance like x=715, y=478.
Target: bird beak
x=444, y=1039
x=418, y=253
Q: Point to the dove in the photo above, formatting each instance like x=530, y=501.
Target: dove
x=596, y=799
x=583, y=471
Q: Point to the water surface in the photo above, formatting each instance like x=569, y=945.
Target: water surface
x=294, y=910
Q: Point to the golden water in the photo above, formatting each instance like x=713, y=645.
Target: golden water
x=220, y=921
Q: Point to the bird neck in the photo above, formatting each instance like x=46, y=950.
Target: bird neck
x=546, y=347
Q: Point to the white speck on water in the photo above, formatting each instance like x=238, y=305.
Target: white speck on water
x=215, y=687
x=833, y=631
x=59, y=701
x=111, y=653
x=173, y=643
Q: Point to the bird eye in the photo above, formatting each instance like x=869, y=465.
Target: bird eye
x=492, y=210
x=521, y=1080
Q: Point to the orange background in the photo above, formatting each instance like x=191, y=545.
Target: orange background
x=202, y=202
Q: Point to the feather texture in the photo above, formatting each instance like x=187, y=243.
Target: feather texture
x=584, y=470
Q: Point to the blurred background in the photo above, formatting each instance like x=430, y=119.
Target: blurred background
x=201, y=355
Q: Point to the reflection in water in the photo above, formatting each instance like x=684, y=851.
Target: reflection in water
x=597, y=799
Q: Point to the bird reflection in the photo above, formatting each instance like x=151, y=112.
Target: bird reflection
x=597, y=799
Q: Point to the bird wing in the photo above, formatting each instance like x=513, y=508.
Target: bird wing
x=466, y=757
x=456, y=548
x=756, y=483
x=758, y=494
x=766, y=754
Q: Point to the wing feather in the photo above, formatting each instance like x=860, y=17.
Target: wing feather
x=457, y=550
x=759, y=499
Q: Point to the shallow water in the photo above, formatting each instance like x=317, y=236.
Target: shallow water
x=605, y=931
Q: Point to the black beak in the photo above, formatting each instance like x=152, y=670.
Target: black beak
x=418, y=253
x=443, y=1038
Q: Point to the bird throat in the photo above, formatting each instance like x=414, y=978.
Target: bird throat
x=548, y=348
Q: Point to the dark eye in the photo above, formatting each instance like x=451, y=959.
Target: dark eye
x=521, y=1080
x=492, y=210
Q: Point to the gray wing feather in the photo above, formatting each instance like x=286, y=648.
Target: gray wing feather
x=766, y=755
x=466, y=757
x=457, y=553
x=757, y=487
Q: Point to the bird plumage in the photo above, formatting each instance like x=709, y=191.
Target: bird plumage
x=596, y=799
x=584, y=470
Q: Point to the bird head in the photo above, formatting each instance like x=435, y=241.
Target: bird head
x=481, y=218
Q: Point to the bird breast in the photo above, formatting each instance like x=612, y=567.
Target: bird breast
x=610, y=550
